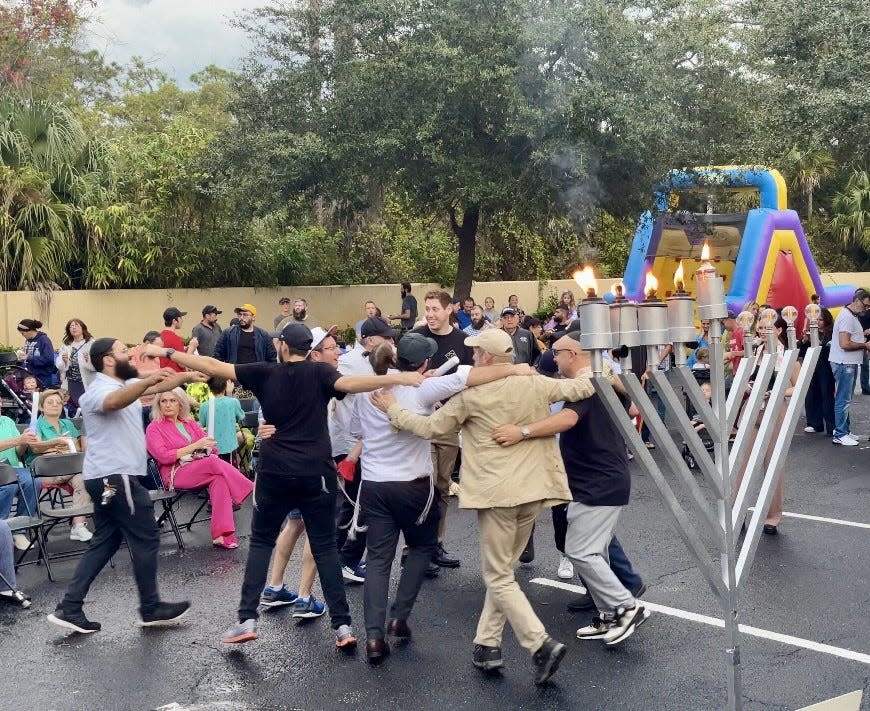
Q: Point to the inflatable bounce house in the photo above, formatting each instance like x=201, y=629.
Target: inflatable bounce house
x=762, y=253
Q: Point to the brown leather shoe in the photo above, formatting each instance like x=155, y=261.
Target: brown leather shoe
x=399, y=628
x=377, y=650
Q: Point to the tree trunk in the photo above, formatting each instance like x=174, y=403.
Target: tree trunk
x=466, y=239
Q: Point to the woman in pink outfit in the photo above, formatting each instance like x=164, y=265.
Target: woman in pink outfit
x=174, y=435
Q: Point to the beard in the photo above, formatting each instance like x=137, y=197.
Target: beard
x=125, y=370
x=477, y=325
x=300, y=315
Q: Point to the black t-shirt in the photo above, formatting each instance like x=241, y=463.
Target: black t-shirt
x=409, y=303
x=450, y=344
x=246, y=353
x=294, y=398
x=594, y=454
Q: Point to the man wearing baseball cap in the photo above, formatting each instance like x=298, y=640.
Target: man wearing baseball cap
x=295, y=468
x=245, y=343
x=172, y=319
x=506, y=487
x=207, y=331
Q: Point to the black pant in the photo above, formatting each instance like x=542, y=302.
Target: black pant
x=819, y=402
x=350, y=551
x=113, y=523
x=560, y=525
x=274, y=497
x=391, y=507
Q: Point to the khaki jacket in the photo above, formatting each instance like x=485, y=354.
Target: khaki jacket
x=495, y=476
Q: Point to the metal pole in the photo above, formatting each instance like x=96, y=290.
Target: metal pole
x=729, y=599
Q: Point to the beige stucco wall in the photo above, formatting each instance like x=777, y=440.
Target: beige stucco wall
x=127, y=314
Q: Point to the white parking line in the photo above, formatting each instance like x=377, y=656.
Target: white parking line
x=715, y=622
x=807, y=517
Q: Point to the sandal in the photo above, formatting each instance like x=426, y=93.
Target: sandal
x=650, y=445
x=229, y=542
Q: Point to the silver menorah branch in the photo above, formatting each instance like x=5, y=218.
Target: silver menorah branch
x=759, y=414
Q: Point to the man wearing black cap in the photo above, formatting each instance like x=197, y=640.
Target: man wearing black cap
x=525, y=346
x=114, y=461
x=207, y=331
x=296, y=469
x=172, y=319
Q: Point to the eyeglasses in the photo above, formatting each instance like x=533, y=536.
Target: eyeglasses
x=328, y=348
x=557, y=351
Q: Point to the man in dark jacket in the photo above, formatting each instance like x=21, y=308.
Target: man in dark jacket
x=245, y=343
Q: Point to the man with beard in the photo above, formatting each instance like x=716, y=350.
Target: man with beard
x=114, y=461
x=245, y=343
x=295, y=469
x=478, y=321
x=408, y=316
x=557, y=326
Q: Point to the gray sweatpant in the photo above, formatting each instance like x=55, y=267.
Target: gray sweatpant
x=590, y=529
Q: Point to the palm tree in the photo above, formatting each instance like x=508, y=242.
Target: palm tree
x=48, y=173
x=808, y=169
x=851, y=220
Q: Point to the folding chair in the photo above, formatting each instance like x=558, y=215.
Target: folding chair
x=52, y=465
x=247, y=403
x=167, y=500
x=30, y=522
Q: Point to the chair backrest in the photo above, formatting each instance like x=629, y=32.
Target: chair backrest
x=8, y=475
x=247, y=403
x=22, y=428
x=58, y=464
x=252, y=420
x=79, y=423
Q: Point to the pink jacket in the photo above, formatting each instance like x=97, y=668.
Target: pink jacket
x=164, y=440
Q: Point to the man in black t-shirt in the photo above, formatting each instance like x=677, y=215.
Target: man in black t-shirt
x=451, y=342
x=295, y=468
x=597, y=466
x=408, y=315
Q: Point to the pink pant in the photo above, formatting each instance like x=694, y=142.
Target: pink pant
x=226, y=486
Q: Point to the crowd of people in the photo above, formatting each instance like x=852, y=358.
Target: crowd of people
x=352, y=470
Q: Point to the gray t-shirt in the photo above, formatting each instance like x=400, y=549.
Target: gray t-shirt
x=847, y=322
x=207, y=337
x=116, y=442
x=409, y=303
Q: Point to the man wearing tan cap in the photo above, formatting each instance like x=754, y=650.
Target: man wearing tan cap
x=245, y=343
x=507, y=487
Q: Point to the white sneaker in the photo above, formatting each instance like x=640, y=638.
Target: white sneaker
x=20, y=541
x=80, y=533
x=846, y=440
x=810, y=430
x=566, y=568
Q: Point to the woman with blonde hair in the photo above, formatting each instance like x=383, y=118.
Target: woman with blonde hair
x=187, y=459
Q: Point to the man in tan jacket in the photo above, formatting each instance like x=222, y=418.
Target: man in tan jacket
x=507, y=487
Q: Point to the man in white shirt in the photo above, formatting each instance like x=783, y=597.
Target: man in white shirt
x=847, y=352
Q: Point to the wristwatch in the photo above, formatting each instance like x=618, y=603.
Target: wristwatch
x=169, y=352
x=527, y=433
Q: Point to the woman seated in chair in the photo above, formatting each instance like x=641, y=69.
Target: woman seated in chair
x=187, y=459
x=8, y=591
x=59, y=435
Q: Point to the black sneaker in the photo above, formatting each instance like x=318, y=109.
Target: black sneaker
x=166, y=613
x=528, y=554
x=432, y=571
x=547, y=659
x=581, y=603
x=75, y=621
x=487, y=658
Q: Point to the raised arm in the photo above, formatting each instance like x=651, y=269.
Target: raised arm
x=204, y=364
x=367, y=383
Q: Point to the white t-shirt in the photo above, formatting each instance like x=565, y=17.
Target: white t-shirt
x=401, y=456
x=847, y=322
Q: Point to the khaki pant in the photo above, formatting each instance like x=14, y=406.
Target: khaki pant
x=504, y=533
x=443, y=461
x=76, y=482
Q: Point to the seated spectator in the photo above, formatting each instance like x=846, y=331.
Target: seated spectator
x=556, y=327
x=489, y=311
x=227, y=414
x=8, y=591
x=13, y=445
x=533, y=325
x=187, y=459
x=58, y=435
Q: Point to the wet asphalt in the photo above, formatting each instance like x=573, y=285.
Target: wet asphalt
x=811, y=582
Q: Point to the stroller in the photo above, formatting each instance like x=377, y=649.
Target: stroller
x=15, y=401
x=688, y=457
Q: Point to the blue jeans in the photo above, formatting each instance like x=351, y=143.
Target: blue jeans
x=845, y=375
x=7, y=493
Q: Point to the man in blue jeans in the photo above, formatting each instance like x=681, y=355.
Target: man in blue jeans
x=848, y=346
x=295, y=468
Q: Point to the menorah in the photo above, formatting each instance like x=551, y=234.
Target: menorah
x=763, y=416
